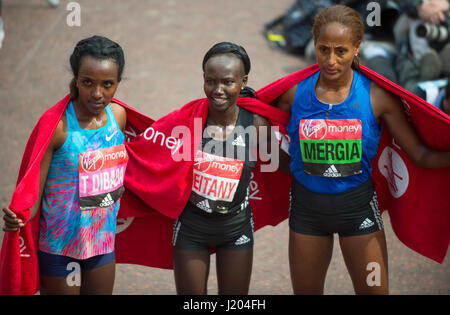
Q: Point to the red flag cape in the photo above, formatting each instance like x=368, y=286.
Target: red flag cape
x=158, y=186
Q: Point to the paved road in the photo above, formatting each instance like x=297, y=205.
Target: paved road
x=164, y=43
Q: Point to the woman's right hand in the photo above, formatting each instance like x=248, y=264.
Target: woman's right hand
x=12, y=222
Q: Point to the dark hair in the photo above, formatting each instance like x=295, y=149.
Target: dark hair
x=98, y=47
x=345, y=16
x=238, y=51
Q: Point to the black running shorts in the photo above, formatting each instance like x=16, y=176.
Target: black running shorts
x=351, y=213
x=197, y=230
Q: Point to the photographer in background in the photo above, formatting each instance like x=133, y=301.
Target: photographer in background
x=422, y=36
x=442, y=101
x=430, y=11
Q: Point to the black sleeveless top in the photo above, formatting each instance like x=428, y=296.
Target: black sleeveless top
x=222, y=169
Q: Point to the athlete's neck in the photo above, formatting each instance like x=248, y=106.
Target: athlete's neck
x=225, y=118
x=343, y=83
x=87, y=119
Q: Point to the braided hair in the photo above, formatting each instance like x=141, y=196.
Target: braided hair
x=98, y=47
x=238, y=51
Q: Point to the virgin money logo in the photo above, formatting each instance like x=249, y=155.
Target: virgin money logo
x=202, y=162
x=395, y=171
x=314, y=129
x=92, y=161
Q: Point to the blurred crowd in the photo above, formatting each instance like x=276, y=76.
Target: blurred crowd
x=406, y=41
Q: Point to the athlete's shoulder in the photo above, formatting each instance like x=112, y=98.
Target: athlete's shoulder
x=120, y=114
x=363, y=78
x=259, y=121
x=380, y=94
x=382, y=100
x=115, y=107
x=60, y=134
x=285, y=101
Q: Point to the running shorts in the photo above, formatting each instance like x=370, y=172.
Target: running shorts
x=62, y=266
x=354, y=212
x=196, y=229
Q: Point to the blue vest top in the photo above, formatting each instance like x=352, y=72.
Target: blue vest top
x=338, y=142
x=64, y=228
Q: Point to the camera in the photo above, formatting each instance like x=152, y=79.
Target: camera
x=434, y=33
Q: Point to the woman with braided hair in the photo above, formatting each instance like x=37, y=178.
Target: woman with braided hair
x=77, y=215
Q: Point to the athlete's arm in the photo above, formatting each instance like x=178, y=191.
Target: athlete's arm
x=264, y=134
x=57, y=141
x=285, y=100
x=12, y=222
x=389, y=108
x=268, y=147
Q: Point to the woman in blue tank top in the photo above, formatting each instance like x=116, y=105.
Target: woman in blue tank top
x=81, y=178
x=334, y=130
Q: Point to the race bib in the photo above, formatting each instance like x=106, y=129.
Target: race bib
x=101, y=174
x=216, y=178
x=331, y=147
